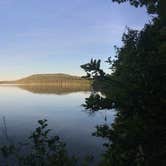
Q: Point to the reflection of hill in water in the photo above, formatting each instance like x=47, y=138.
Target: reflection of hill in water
x=55, y=89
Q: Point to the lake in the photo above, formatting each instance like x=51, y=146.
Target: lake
x=22, y=106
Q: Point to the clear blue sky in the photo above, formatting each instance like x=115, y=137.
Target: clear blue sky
x=57, y=36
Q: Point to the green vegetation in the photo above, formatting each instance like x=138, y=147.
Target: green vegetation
x=41, y=149
x=136, y=89
x=44, y=150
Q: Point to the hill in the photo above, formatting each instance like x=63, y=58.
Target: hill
x=49, y=79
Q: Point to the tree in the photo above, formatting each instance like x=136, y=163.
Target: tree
x=93, y=69
x=137, y=90
x=153, y=7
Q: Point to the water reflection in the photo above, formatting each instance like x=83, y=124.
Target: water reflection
x=23, y=106
x=55, y=89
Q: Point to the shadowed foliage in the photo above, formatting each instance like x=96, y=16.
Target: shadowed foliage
x=136, y=88
x=41, y=149
x=93, y=69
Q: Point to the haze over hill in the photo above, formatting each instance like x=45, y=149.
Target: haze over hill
x=62, y=79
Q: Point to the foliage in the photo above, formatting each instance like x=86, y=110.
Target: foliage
x=93, y=69
x=96, y=102
x=152, y=6
x=136, y=88
x=41, y=150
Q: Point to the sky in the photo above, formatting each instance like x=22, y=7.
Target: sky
x=57, y=36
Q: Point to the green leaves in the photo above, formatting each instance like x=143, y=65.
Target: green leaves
x=136, y=88
x=93, y=69
x=96, y=102
x=42, y=150
x=151, y=5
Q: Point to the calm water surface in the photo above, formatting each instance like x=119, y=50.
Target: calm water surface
x=22, y=107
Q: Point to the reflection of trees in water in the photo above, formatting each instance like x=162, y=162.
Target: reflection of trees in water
x=136, y=89
x=56, y=88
